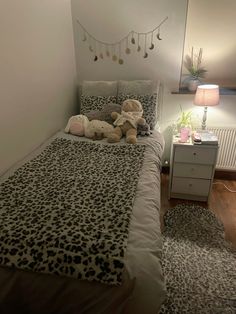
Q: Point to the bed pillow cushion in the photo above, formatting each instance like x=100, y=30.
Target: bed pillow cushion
x=99, y=88
x=88, y=103
x=149, y=103
x=95, y=94
x=138, y=87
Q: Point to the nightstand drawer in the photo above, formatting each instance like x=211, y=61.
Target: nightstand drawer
x=191, y=186
x=195, y=154
x=192, y=171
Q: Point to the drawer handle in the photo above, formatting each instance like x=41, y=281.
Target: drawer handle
x=194, y=154
x=190, y=185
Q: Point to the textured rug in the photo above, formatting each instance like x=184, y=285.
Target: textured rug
x=198, y=264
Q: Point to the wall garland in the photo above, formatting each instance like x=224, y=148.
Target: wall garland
x=143, y=41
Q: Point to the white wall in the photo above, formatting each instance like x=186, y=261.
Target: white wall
x=37, y=74
x=111, y=20
x=211, y=25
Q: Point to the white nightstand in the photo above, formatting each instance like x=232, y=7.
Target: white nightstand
x=192, y=170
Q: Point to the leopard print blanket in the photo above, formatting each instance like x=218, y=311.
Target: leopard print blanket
x=67, y=211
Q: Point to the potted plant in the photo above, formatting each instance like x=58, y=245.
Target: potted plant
x=184, y=124
x=193, y=64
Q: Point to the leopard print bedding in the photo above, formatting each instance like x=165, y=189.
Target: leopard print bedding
x=89, y=103
x=68, y=210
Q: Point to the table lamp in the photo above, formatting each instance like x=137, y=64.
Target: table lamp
x=206, y=95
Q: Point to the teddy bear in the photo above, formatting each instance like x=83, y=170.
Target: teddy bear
x=127, y=122
x=81, y=126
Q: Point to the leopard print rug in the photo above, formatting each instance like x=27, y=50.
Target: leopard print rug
x=67, y=211
x=198, y=264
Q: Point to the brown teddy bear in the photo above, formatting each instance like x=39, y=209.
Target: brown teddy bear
x=127, y=122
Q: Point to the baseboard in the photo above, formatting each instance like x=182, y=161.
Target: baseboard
x=219, y=174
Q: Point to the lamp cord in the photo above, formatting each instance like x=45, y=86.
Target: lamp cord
x=225, y=187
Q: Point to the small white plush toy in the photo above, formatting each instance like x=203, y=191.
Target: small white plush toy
x=77, y=125
x=97, y=129
x=80, y=125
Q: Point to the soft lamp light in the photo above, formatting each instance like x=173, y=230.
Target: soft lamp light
x=206, y=95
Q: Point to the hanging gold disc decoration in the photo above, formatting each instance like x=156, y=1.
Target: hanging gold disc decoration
x=101, y=49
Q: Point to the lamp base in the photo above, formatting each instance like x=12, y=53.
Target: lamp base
x=204, y=118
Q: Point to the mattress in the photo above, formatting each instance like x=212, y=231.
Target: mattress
x=142, y=289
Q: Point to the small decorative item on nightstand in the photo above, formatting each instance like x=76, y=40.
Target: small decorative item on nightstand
x=192, y=170
x=184, y=134
x=184, y=125
x=204, y=137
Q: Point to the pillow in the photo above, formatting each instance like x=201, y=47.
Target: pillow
x=104, y=114
x=88, y=103
x=137, y=87
x=99, y=88
x=149, y=103
x=95, y=94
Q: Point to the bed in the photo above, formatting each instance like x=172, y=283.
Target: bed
x=122, y=232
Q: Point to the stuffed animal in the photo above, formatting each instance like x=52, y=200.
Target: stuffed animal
x=80, y=125
x=127, y=122
x=97, y=129
x=77, y=125
x=144, y=129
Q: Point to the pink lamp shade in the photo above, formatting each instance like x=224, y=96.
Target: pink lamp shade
x=207, y=95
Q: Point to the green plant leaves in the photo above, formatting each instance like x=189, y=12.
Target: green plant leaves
x=193, y=65
x=185, y=118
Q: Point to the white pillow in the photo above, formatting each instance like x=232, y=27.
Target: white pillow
x=138, y=87
x=99, y=88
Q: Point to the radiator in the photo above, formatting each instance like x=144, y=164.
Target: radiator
x=227, y=147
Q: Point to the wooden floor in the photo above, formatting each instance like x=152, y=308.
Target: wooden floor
x=222, y=203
